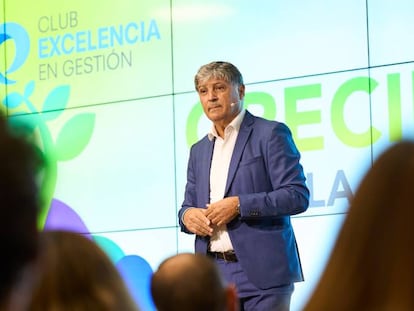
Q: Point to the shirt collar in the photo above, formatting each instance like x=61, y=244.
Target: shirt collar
x=235, y=124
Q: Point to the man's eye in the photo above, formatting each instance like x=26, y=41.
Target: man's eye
x=202, y=91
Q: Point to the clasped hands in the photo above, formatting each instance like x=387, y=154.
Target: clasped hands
x=202, y=220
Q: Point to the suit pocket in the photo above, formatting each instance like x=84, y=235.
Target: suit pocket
x=250, y=161
x=251, y=176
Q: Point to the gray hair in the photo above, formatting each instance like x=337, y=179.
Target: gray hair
x=219, y=70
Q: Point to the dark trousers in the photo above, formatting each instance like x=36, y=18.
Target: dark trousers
x=251, y=297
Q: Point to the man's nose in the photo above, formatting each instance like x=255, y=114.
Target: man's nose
x=212, y=94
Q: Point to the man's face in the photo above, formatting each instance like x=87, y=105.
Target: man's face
x=220, y=100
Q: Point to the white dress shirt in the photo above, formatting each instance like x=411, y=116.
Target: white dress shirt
x=223, y=150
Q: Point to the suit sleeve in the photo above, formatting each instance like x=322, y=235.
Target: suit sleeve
x=286, y=193
x=190, y=192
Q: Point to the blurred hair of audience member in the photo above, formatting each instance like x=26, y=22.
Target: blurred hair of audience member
x=191, y=282
x=371, y=265
x=74, y=273
x=20, y=164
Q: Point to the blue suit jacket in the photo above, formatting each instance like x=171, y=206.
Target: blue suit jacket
x=266, y=175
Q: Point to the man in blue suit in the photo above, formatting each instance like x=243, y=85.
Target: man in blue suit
x=244, y=181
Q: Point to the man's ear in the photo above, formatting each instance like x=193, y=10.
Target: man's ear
x=232, y=299
x=241, y=91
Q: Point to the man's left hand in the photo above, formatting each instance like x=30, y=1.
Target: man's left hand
x=223, y=211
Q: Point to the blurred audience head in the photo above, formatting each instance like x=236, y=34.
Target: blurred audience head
x=371, y=265
x=20, y=163
x=191, y=282
x=74, y=273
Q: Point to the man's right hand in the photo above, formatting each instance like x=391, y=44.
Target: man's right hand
x=196, y=222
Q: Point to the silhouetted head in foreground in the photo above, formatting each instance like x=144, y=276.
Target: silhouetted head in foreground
x=190, y=282
x=20, y=162
x=371, y=266
x=74, y=273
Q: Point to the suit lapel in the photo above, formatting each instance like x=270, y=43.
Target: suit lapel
x=206, y=156
x=242, y=138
